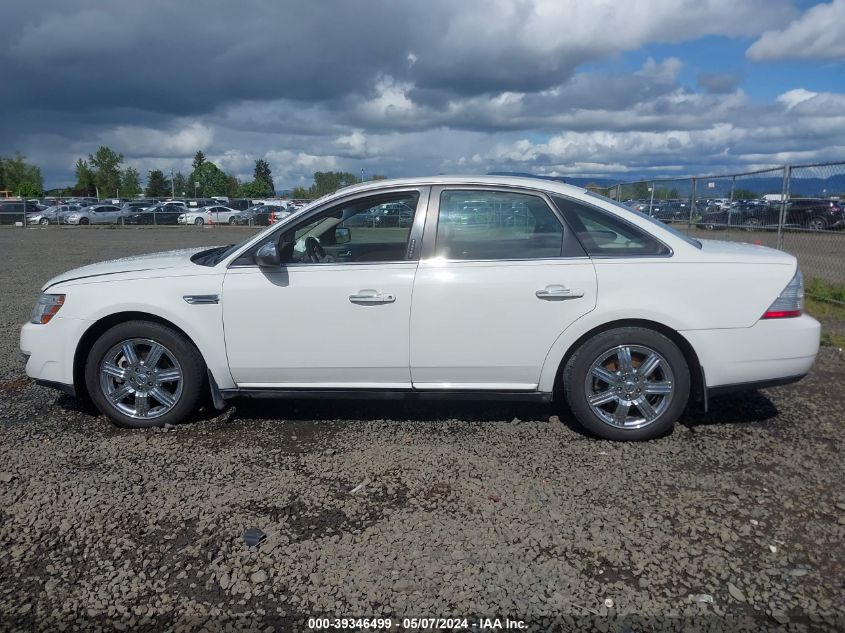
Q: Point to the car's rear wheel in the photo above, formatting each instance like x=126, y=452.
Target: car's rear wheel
x=233, y=220
x=817, y=224
x=628, y=383
x=143, y=374
x=199, y=221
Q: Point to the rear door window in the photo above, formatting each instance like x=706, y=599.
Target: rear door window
x=484, y=225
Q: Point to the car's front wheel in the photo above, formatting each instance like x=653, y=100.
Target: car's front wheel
x=628, y=383
x=143, y=374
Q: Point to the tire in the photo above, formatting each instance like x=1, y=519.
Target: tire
x=179, y=398
x=751, y=224
x=817, y=224
x=661, y=408
x=199, y=221
x=233, y=221
x=84, y=221
x=44, y=222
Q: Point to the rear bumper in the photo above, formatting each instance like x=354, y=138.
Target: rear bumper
x=752, y=386
x=773, y=351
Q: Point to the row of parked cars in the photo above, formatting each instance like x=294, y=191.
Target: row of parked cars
x=815, y=214
x=87, y=211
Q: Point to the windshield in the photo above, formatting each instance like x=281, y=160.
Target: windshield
x=624, y=207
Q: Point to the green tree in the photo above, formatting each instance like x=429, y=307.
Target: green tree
x=641, y=191
x=325, y=182
x=20, y=177
x=27, y=189
x=180, y=184
x=379, y=177
x=210, y=180
x=105, y=163
x=256, y=190
x=199, y=159
x=264, y=175
x=157, y=185
x=233, y=186
x=84, y=178
x=130, y=182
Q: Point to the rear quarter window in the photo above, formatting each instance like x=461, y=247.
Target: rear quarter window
x=604, y=235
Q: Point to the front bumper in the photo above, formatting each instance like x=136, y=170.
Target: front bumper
x=50, y=349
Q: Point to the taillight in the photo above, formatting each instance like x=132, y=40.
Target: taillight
x=790, y=302
x=272, y=217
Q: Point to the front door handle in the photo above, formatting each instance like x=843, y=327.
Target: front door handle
x=558, y=292
x=371, y=297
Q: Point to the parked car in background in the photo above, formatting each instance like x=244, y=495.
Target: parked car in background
x=263, y=214
x=160, y=213
x=551, y=305
x=215, y=214
x=12, y=211
x=816, y=214
x=95, y=214
x=51, y=215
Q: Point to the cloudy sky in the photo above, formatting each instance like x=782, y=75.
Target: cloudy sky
x=592, y=87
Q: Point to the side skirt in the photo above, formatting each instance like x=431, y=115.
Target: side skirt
x=378, y=394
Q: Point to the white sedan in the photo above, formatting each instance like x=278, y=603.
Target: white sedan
x=547, y=289
x=215, y=214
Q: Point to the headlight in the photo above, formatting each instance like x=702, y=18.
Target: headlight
x=46, y=308
x=73, y=216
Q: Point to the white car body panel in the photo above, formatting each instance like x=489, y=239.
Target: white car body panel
x=453, y=324
x=480, y=324
x=318, y=337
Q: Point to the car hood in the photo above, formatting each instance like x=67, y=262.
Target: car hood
x=720, y=251
x=139, y=264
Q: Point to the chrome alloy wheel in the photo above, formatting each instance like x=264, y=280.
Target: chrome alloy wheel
x=141, y=378
x=629, y=386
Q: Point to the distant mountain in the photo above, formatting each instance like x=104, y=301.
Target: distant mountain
x=799, y=186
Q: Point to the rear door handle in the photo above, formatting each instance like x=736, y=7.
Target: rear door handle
x=371, y=297
x=558, y=292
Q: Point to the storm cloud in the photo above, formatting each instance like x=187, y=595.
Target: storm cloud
x=398, y=88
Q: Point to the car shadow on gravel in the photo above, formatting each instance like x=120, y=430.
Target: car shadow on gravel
x=740, y=408
x=298, y=414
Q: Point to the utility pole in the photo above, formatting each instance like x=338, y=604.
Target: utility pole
x=362, y=174
x=172, y=185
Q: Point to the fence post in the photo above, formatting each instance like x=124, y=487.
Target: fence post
x=651, y=201
x=784, y=196
x=691, y=205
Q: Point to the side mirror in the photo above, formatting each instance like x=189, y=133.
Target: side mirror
x=268, y=256
x=342, y=235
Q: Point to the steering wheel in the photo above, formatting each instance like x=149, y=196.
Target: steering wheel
x=314, y=251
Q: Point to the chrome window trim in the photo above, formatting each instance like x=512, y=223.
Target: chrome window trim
x=433, y=216
x=295, y=219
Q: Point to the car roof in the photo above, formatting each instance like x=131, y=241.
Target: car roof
x=543, y=184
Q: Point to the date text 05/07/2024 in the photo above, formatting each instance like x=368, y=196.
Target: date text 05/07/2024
x=417, y=624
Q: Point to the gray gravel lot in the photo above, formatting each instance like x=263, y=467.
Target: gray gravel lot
x=736, y=521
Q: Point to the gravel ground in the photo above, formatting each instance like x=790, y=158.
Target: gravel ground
x=736, y=521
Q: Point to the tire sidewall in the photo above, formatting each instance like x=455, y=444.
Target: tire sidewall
x=576, y=370
x=193, y=371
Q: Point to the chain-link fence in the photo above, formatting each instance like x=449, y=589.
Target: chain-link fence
x=796, y=208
